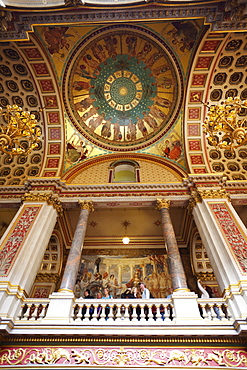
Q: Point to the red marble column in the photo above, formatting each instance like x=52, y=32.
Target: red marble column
x=174, y=260
x=74, y=258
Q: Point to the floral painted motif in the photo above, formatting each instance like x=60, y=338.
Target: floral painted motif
x=122, y=356
x=232, y=233
x=16, y=238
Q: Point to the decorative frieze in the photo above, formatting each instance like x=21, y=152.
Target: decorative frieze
x=116, y=356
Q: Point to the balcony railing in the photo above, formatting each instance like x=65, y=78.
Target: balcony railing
x=128, y=311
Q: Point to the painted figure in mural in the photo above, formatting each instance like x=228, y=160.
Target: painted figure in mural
x=84, y=104
x=95, y=122
x=157, y=113
x=131, y=42
x=92, y=111
x=156, y=72
x=110, y=46
x=184, y=34
x=88, y=60
x=77, y=152
x=116, y=131
x=150, y=120
x=96, y=264
x=113, y=285
x=57, y=38
x=145, y=50
x=106, y=129
x=153, y=59
x=81, y=71
x=98, y=52
x=141, y=126
x=162, y=102
x=80, y=85
x=131, y=131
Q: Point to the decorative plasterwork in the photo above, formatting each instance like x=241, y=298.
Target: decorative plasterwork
x=48, y=197
x=218, y=72
x=116, y=356
x=214, y=13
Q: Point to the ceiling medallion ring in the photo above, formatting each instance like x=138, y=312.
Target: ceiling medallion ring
x=124, y=88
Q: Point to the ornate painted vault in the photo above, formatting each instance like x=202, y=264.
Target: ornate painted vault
x=116, y=88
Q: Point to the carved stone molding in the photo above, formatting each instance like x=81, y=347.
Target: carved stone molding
x=49, y=198
x=163, y=203
x=47, y=278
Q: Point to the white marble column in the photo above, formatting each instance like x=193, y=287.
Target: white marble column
x=23, y=246
x=225, y=239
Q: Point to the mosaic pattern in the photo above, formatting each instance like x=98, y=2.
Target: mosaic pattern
x=123, y=87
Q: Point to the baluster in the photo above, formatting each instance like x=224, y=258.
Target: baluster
x=87, y=314
x=161, y=313
x=111, y=313
x=136, y=315
x=95, y=313
x=123, y=310
x=204, y=312
x=77, y=310
x=211, y=313
x=172, y=312
x=24, y=309
x=39, y=311
x=32, y=310
x=118, y=314
x=166, y=312
x=142, y=314
x=219, y=312
x=228, y=314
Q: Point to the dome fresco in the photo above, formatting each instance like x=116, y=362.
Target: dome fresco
x=124, y=87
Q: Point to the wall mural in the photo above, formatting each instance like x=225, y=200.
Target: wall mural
x=118, y=274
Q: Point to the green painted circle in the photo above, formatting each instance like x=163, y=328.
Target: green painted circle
x=123, y=90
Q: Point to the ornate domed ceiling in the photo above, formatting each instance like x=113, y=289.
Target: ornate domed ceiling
x=122, y=87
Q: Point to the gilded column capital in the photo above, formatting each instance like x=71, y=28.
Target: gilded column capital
x=214, y=194
x=48, y=197
x=194, y=199
x=162, y=203
x=85, y=204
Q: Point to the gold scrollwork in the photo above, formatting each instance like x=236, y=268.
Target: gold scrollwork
x=214, y=194
x=48, y=278
x=162, y=203
x=121, y=356
x=84, y=204
x=49, y=198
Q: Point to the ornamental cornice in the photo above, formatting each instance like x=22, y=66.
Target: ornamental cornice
x=48, y=197
x=163, y=203
x=74, y=12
